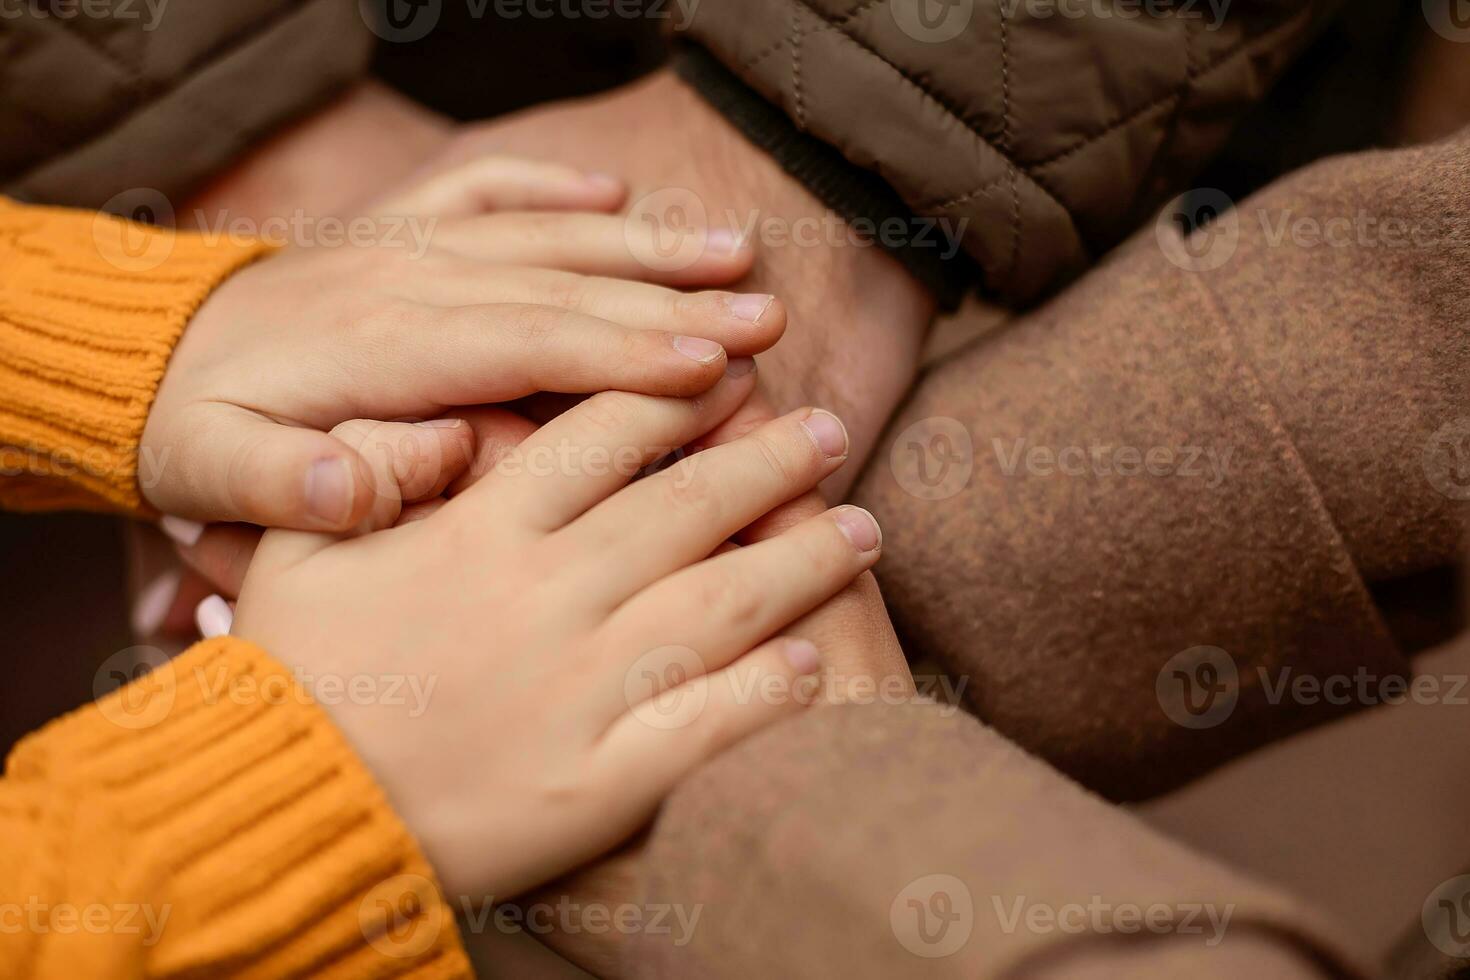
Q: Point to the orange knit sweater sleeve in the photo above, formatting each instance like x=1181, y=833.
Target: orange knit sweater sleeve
x=91, y=307
x=208, y=820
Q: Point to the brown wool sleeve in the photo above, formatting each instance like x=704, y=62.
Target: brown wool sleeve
x=1137, y=522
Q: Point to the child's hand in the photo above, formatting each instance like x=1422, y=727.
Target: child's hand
x=498, y=306
x=547, y=604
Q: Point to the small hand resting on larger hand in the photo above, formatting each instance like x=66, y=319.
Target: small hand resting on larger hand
x=590, y=639
x=498, y=305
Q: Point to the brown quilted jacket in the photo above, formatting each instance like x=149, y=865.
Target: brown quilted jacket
x=1042, y=135
x=1039, y=136
x=159, y=94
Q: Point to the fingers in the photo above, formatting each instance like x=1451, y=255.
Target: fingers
x=404, y=463
x=408, y=461
x=725, y=605
x=649, y=749
x=497, y=433
x=682, y=514
x=744, y=323
x=249, y=468
x=221, y=554
x=478, y=354
x=594, y=449
x=602, y=245
x=506, y=183
x=260, y=472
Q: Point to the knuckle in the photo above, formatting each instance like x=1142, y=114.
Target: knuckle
x=246, y=482
x=535, y=325
x=824, y=549
x=682, y=490
x=378, y=327
x=354, y=432
x=780, y=457
x=461, y=540
x=564, y=290
x=610, y=412
x=682, y=306
x=728, y=597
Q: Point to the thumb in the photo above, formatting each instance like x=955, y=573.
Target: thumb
x=241, y=466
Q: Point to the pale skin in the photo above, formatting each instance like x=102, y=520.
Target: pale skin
x=857, y=319
x=546, y=602
x=506, y=299
x=859, y=322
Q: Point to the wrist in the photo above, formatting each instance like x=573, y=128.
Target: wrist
x=857, y=316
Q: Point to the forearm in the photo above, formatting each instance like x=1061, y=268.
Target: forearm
x=1166, y=462
x=915, y=839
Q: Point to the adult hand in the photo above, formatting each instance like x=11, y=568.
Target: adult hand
x=857, y=318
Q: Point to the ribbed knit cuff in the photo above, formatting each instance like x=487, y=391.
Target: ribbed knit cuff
x=213, y=793
x=91, y=307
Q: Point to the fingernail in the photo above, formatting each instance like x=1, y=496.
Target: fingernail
x=329, y=490
x=739, y=367
x=698, y=349
x=153, y=604
x=827, y=432
x=802, y=655
x=184, y=532
x=441, y=423
x=722, y=240
x=750, y=306
x=214, y=617
x=860, y=528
